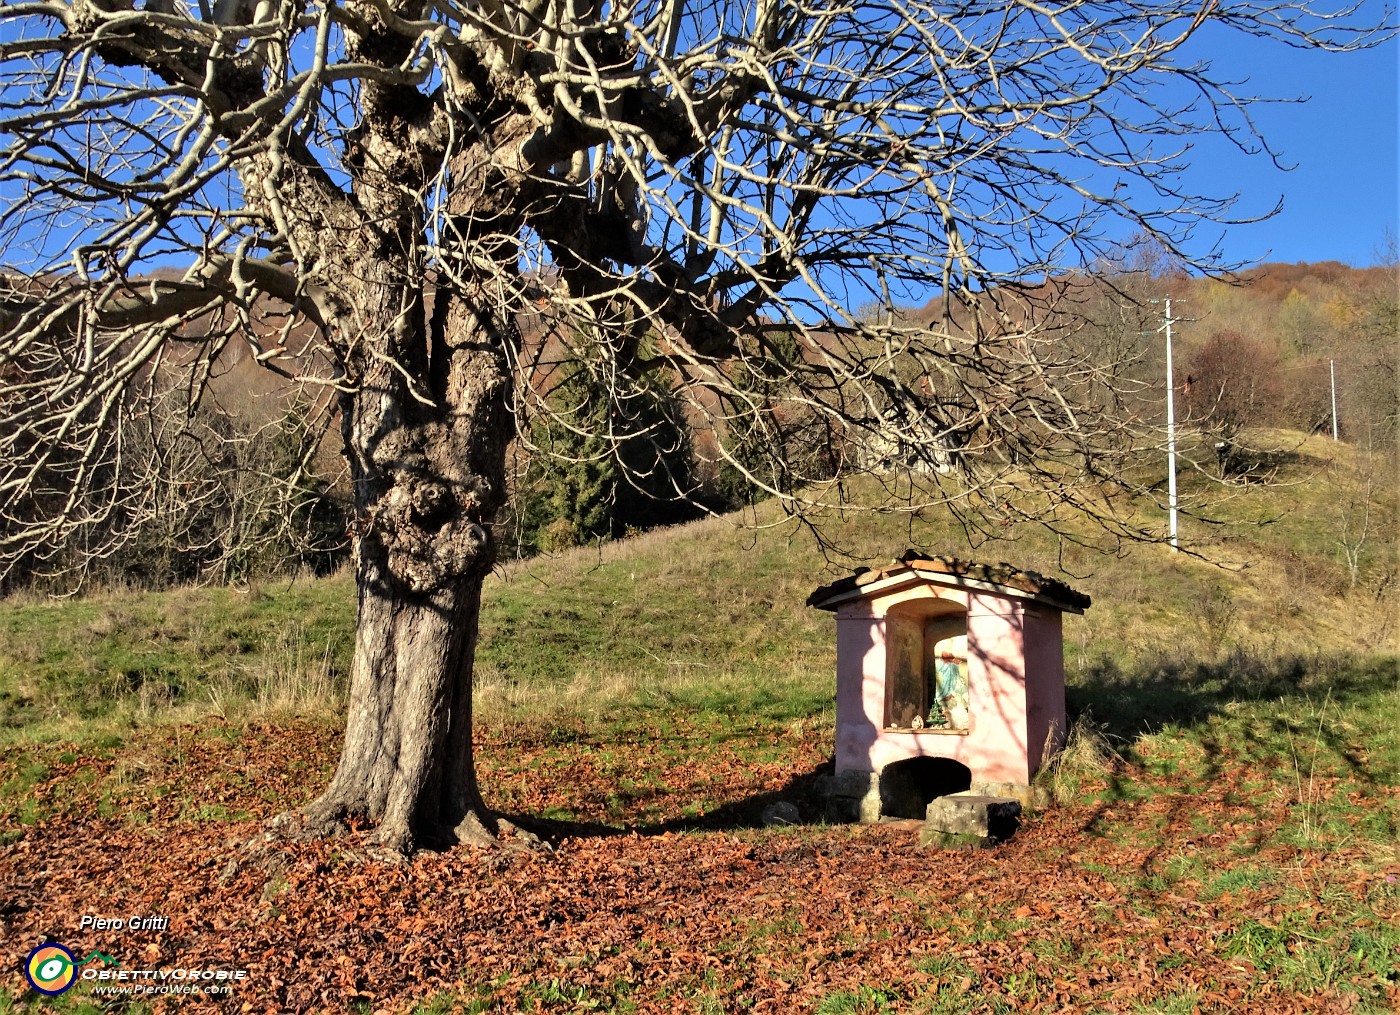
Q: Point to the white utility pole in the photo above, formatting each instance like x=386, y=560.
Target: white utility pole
x=1171, y=426
x=1332, y=368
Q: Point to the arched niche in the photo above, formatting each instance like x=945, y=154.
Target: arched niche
x=926, y=666
x=907, y=787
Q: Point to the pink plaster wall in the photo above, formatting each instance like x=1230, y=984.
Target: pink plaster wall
x=995, y=654
x=860, y=686
x=1008, y=722
x=1045, y=668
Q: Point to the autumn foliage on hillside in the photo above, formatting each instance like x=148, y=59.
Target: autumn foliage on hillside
x=1256, y=349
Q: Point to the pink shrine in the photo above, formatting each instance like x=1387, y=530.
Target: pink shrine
x=949, y=677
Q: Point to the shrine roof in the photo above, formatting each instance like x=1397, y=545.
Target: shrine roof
x=1005, y=579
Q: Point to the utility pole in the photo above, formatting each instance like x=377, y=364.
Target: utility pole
x=1332, y=368
x=1171, y=425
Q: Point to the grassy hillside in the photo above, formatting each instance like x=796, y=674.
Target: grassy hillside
x=712, y=614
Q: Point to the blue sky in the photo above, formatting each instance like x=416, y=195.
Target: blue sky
x=1345, y=191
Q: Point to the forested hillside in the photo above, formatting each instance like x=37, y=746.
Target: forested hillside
x=253, y=484
x=1252, y=349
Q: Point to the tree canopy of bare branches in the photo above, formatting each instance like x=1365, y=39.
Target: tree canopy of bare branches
x=371, y=196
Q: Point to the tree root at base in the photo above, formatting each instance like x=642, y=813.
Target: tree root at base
x=481, y=830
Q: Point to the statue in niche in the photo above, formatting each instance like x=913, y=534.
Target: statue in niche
x=947, y=673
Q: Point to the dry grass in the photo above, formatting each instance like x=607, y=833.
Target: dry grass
x=712, y=613
x=1088, y=757
x=292, y=678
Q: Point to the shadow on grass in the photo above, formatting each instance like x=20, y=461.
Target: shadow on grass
x=1127, y=704
x=1292, y=738
x=1147, y=697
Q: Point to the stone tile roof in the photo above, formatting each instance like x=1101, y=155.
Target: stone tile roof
x=1008, y=576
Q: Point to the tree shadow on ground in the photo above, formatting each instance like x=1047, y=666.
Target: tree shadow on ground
x=1126, y=703
x=747, y=812
x=1145, y=698
x=1130, y=704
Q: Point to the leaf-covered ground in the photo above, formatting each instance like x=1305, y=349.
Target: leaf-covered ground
x=1204, y=874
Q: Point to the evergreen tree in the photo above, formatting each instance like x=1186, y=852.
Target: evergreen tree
x=600, y=465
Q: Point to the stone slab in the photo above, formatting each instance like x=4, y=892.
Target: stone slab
x=1029, y=797
x=986, y=817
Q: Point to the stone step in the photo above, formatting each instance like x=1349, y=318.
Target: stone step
x=973, y=815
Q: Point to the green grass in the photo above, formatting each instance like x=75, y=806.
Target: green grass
x=709, y=618
x=121, y=656
x=1293, y=953
x=864, y=1001
x=1325, y=758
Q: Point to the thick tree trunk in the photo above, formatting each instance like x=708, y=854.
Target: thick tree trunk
x=407, y=760
x=426, y=422
x=427, y=432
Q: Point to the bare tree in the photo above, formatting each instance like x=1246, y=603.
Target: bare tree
x=1235, y=382
x=371, y=195
x=1363, y=508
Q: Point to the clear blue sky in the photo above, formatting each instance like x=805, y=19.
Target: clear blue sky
x=1345, y=191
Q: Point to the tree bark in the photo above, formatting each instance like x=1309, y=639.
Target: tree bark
x=426, y=423
x=407, y=762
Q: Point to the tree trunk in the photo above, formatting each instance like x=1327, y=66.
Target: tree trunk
x=407, y=763
x=426, y=423
x=426, y=433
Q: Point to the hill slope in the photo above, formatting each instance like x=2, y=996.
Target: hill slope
x=713, y=612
